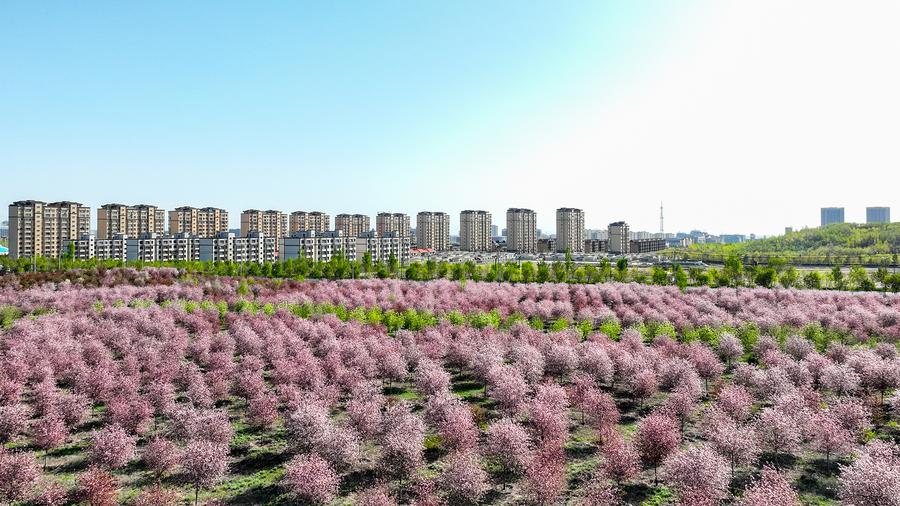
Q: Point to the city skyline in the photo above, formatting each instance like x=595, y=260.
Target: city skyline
x=419, y=107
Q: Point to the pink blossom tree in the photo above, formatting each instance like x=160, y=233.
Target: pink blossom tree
x=643, y=385
x=112, y=447
x=771, y=489
x=778, y=432
x=735, y=441
x=97, y=487
x=462, y=479
x=735, y=401
x=545, y=478
x=508, y=446
x=852, y=414
x=509, y=388
x=13, y=421
x=829, y=436
x=601, y=492
x=375, y=496
x=621, y=461
x=873, y=478
x=19, y=474
x=698, y=474
x=311, y=479
x=401, y=441
x=161, y=456
x=157, y=495
x=262, y=410
x=730, y=348
x=74, y=408
x=49, y=432
x=458, y=429
x=656, y=438
x=204, y=464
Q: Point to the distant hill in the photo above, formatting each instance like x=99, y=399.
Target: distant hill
x=838, y=243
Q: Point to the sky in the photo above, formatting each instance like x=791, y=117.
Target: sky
x=739, y=116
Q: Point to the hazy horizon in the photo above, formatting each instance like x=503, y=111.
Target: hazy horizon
x=741, y=117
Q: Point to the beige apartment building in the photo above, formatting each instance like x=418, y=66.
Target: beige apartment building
x=269, y=223
x=569, y=230
x=199, y=222
x=521, y=230
x=116, y=219
x=475, y=231
x=618, y=238
x=352, y=225
x=40, y=229
x=387, y=223
x=313, y=221
x=433, y=231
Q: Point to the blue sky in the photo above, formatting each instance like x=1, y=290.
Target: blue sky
x=407, y=106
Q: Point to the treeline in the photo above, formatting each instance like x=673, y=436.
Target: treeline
x=733, y=273
x=837, y=244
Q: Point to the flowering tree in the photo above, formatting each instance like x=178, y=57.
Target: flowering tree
x=656, y=438
x=19, y=474
x=401, y=440
x=771, y=489
x=730, y=347
x=457, y=428
x=462, y=479
x=97, y=487
x=873, y=478
x=546, y=476
x=852, y=414
x=49, y=432
x=643, y=385
x=112, y=447
x=601, y=492
x=375, y=496
x=13, y=421
x=204, y=464
x=161, y=456
x=307, y=426
x=735, y=441
x=157, y=495
x=509, y=388
x=829, y=436
x=778, y=432
x=262, y=410
x=508, y=446
x=736, y=401
x=698, y=474
x=621, y=461
x=311, y=479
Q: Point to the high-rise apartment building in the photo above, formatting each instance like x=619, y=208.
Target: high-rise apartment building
x=269, y=223
x=569, y=230
x=117, y=219
x=313, y=221
x=878, y=215
x=40, y=229
x=832, y=215
x=618, y=238
x=521, y=230
x=203, y=222
x=387, y=223
x=433, y=230
x=475, y=231
x=352, y=225
x=317, y=246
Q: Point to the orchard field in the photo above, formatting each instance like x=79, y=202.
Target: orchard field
x=156, y=387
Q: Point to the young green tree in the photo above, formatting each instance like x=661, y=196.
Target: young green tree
x=812, y=280
x=789, y=277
